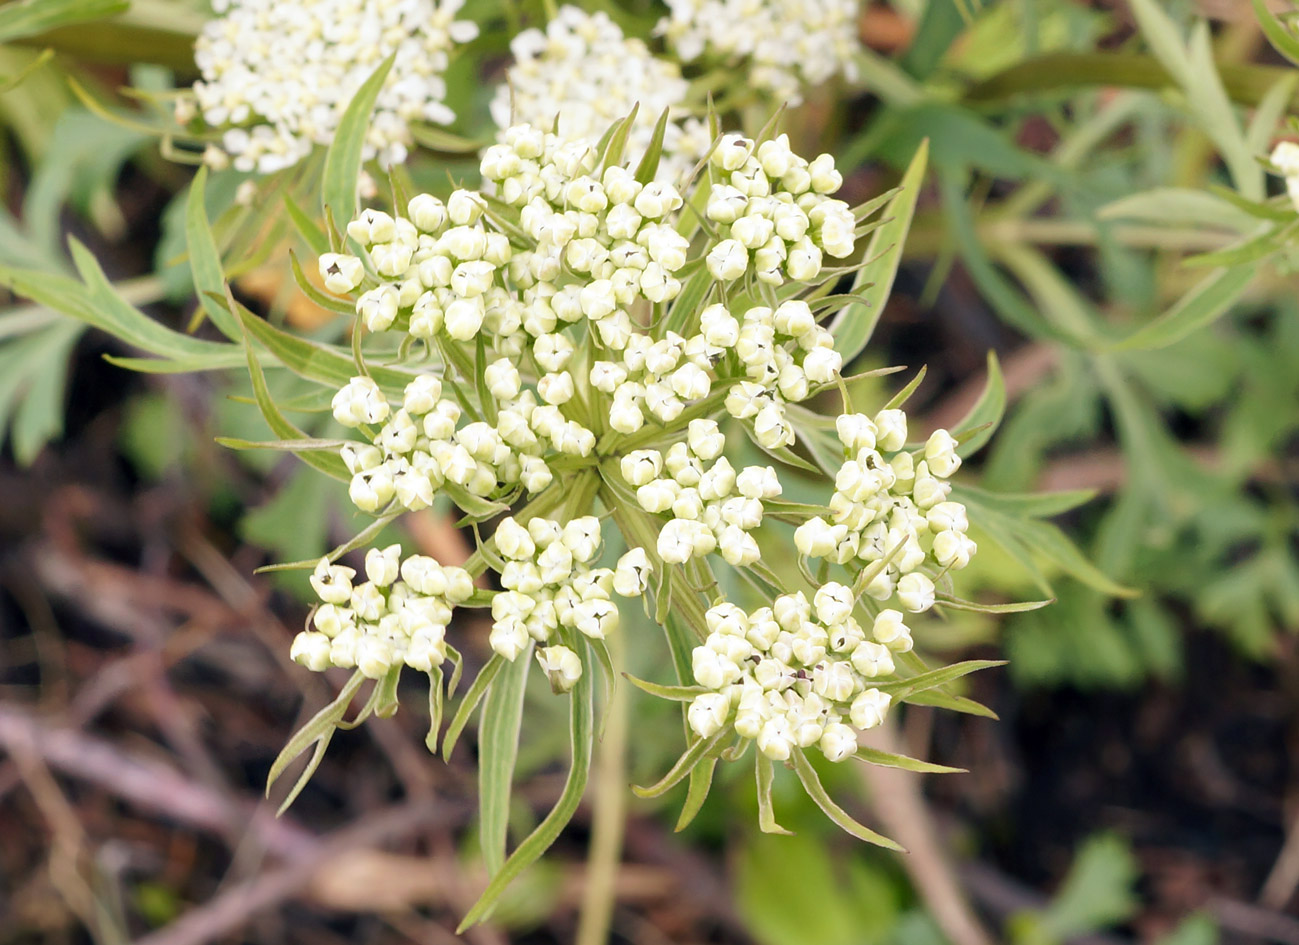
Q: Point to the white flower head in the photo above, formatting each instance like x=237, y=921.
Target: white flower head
x=280, y=73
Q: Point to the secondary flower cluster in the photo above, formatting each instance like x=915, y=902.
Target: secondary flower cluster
x=795, y=674
x=892, y=514
x=581, y=75
x=420, y=448
x=775, y=218
x=712, y=507
x=278, y=74
x=774, y=375
x=398, y=616
x=549, y=583
x=788, y=43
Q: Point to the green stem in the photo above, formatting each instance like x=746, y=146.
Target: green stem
x=609, y=821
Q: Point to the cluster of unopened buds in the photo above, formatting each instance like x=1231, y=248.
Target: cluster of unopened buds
x=711, y=506
x=581, y=74
x=398, y=616
x=554, y=304
x=796, y=674
x=550, y=585
x=278, y=75
x=784, y=44
x=890, y=513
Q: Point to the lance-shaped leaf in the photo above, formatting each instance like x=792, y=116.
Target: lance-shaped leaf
x=766, y=775
x=817, y=792
x=889, y=760
x=853, y=326
x=985, y=415
x=318, y=731
x=699, y=749
x=205, y=261
x=498, y=747
x=343, y=160
x=482, y=682
x=904, y=688
x=527, y=853
x=673, y=693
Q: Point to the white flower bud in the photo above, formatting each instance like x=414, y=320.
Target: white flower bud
x=833, y=603
x=825, y=179
x=514, y=541
x=728, y=260
x=382, y=567
x=657, y=496
x=816, y=538
x=891, y=631
x=708, y=714
x=711, y=669
x=427, y=212
x=463, y=318
x=360, y=401
x=838, y=742
x=422, y=394
x=556, y=388
x=311, y=650
x=891, y=427
x=377, y=308
x=916, y=592
x=821, y=365
x=562, y=667
x=732, y=152
x=341, y=273
x=870, y=708
x=775, y=740
x=464, y=207
x=640, y=467
x=332, y=583
x=940, y=454
x=509, y=638
x=632, y=575
x=872, y=659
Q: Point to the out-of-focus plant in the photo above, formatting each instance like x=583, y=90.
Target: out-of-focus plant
x=1155, y=185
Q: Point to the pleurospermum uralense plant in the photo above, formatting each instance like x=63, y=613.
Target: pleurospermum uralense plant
x=578, y=356
x=568, y=355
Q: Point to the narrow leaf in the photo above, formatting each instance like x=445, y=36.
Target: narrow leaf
x=343, y=160
x=853, y=326
x=817, y=792
x=766, y=810
x=498, y=747
x=580, y=736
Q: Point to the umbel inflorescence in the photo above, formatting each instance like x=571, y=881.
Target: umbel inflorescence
x=581, y=74
x=589, y=344
x=278, y=74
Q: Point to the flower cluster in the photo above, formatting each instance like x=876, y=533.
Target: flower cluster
x=549, y=583
x=278, y=74
x=581, y=75
x=419, y=447
x=892, y=514
x=546, y=306
x=795, y=674
x=397, y=617
x=774, y=375
x=712, y=507
x=775, y=218
x=788, y=43
x=1285, y=162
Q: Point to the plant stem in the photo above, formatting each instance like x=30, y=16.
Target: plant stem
x=600, y=892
